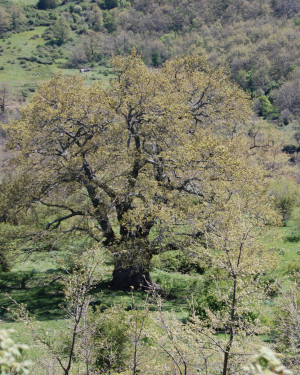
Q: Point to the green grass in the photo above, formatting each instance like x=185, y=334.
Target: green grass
x=287, y=252
x=36, y=282
x=17, y=73
x=41, y=292
x=7, y=3
x=21, y=45
x=23, y=335
x=287, y=255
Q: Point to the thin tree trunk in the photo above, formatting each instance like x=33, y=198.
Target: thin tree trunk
x=231, y=335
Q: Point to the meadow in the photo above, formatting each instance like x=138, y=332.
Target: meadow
x=21, y=73
x=35, y=281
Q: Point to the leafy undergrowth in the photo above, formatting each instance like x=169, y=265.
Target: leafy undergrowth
x=36, y=282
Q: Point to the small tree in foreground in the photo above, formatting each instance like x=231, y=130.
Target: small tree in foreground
x=71, y=346
x=288, y=325
x=238, y=261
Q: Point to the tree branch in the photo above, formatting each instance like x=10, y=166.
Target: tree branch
x=56, y=223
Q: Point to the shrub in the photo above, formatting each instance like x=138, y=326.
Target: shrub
x=109, y=4
x=156, y=59
x=177, y=261
x=285, y=196
x=11, y=355
x=109, y=22
x=287, y=328
x=77, y=9
x=47, y=4
x=111, y=340
x=265, y=106
x=294, y=236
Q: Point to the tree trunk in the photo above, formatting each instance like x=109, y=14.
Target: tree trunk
x=231, y=329
x=132, y=265
x=124, y=278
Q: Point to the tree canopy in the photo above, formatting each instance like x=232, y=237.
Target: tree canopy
x=144, y=165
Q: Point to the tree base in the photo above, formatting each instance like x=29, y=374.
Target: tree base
x=128, y=278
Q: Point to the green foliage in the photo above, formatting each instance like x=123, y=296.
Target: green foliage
x=47, y=4
x=287, y=324
x=182, y=287
x=111, y=340
x=5, y=21
x=178, y=261
x=9, y=242
x=176, y=285
x=223, y=102
x=95, y=19
x=294, y=236
x=46, y=54
x=297, y=21
x=235, y=38
x=243, y=78
x=11, y=356
x=286, y=197
x=266, y=107
x=59, y=33
x=4, y=252
x=266, y=363
x=109, y=4
x=109, y=22
x=272, y=85
x=207, y=302
x=205, y=299
x=156, y=59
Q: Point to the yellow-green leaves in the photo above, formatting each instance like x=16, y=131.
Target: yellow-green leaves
x=139, y=153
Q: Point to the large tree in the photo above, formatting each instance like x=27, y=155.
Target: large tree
x=140, y=165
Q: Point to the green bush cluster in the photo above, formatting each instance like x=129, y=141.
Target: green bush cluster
x=11, y=361
x=178, y=261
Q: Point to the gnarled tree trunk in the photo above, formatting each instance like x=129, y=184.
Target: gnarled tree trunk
x=132, y=265
x=131, y=277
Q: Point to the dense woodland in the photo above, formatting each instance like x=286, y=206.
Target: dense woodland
x=149, y=207
x=257, y=40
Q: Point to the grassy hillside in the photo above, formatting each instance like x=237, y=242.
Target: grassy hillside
x=23, y=3
x=16, y=51
x=17, y=69
x=35, y=279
